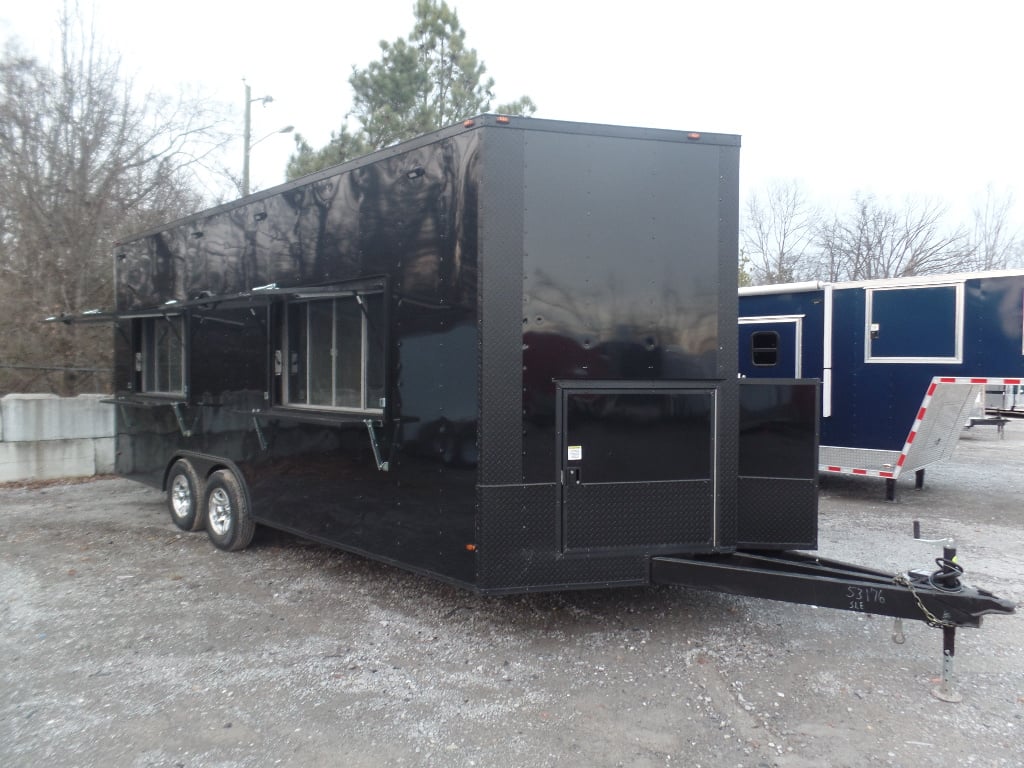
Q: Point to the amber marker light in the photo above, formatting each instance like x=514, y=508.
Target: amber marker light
x=504, y=119
x=693, y=136
x=468, y=123
x=471, y=547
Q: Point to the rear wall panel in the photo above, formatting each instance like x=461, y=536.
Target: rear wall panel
x=625, y=272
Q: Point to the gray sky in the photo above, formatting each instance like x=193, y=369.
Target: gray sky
x=897, y=98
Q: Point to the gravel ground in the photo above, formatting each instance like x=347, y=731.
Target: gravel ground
x=126, y=642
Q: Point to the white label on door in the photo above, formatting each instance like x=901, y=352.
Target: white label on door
x=575, y=453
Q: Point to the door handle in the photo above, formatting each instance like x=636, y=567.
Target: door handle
x=572, y=476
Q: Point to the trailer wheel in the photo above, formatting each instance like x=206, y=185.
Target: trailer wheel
x=185, y=496
x=228, y=522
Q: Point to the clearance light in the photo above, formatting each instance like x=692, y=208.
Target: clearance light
x=693, y=136
x=468, y=123
x=471, y=547
x=504, y=119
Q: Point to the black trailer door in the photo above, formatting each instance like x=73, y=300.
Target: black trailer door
x=637, y=467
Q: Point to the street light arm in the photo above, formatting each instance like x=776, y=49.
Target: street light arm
x=286, y=129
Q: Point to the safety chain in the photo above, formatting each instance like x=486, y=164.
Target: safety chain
x=930, y=619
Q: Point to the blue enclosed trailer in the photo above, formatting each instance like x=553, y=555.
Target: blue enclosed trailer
x=902, y=362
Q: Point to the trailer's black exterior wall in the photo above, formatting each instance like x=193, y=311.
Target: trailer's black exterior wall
x=556, y=325
x=410, y=219
x=778, y=464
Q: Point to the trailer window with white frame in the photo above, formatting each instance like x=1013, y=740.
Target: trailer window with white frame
x=162, y=355
x=918, y=323
x=335, y=353
x=771, y=346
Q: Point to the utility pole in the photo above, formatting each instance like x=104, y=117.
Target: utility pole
x=247, y=134
x=248, y=128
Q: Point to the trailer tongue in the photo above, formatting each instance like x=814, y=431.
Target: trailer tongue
x=939, y=598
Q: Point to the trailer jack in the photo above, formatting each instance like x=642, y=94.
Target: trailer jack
x=938, y=598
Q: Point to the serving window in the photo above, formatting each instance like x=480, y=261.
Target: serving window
x=161, y=356
x=334, y=348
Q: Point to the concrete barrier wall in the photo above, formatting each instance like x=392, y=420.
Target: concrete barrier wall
x=43, y=437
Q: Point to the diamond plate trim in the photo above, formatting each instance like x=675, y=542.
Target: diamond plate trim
x=639, y=515
x=519, y=547
x=866, y=458
x=939, y=430
x=500, y=308
x=777, y=514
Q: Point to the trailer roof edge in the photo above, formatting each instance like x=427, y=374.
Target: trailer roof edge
x=818, y=285
x=762, y=290
x=477, y=122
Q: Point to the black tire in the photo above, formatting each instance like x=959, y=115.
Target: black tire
x=185, y=495
x=226, y=511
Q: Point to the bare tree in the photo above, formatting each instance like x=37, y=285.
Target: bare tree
x=997, y=245
x=82, y=162
x=878, y=241
x=778, y=233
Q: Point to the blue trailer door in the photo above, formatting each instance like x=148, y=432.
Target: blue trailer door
x=915, y=324
x=769, y=347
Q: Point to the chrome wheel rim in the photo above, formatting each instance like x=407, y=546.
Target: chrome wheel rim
x=219, y=511
x=181, y=497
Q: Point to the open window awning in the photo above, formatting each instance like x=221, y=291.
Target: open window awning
x=258, y=296
x=97, y=316
x=90, y=316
